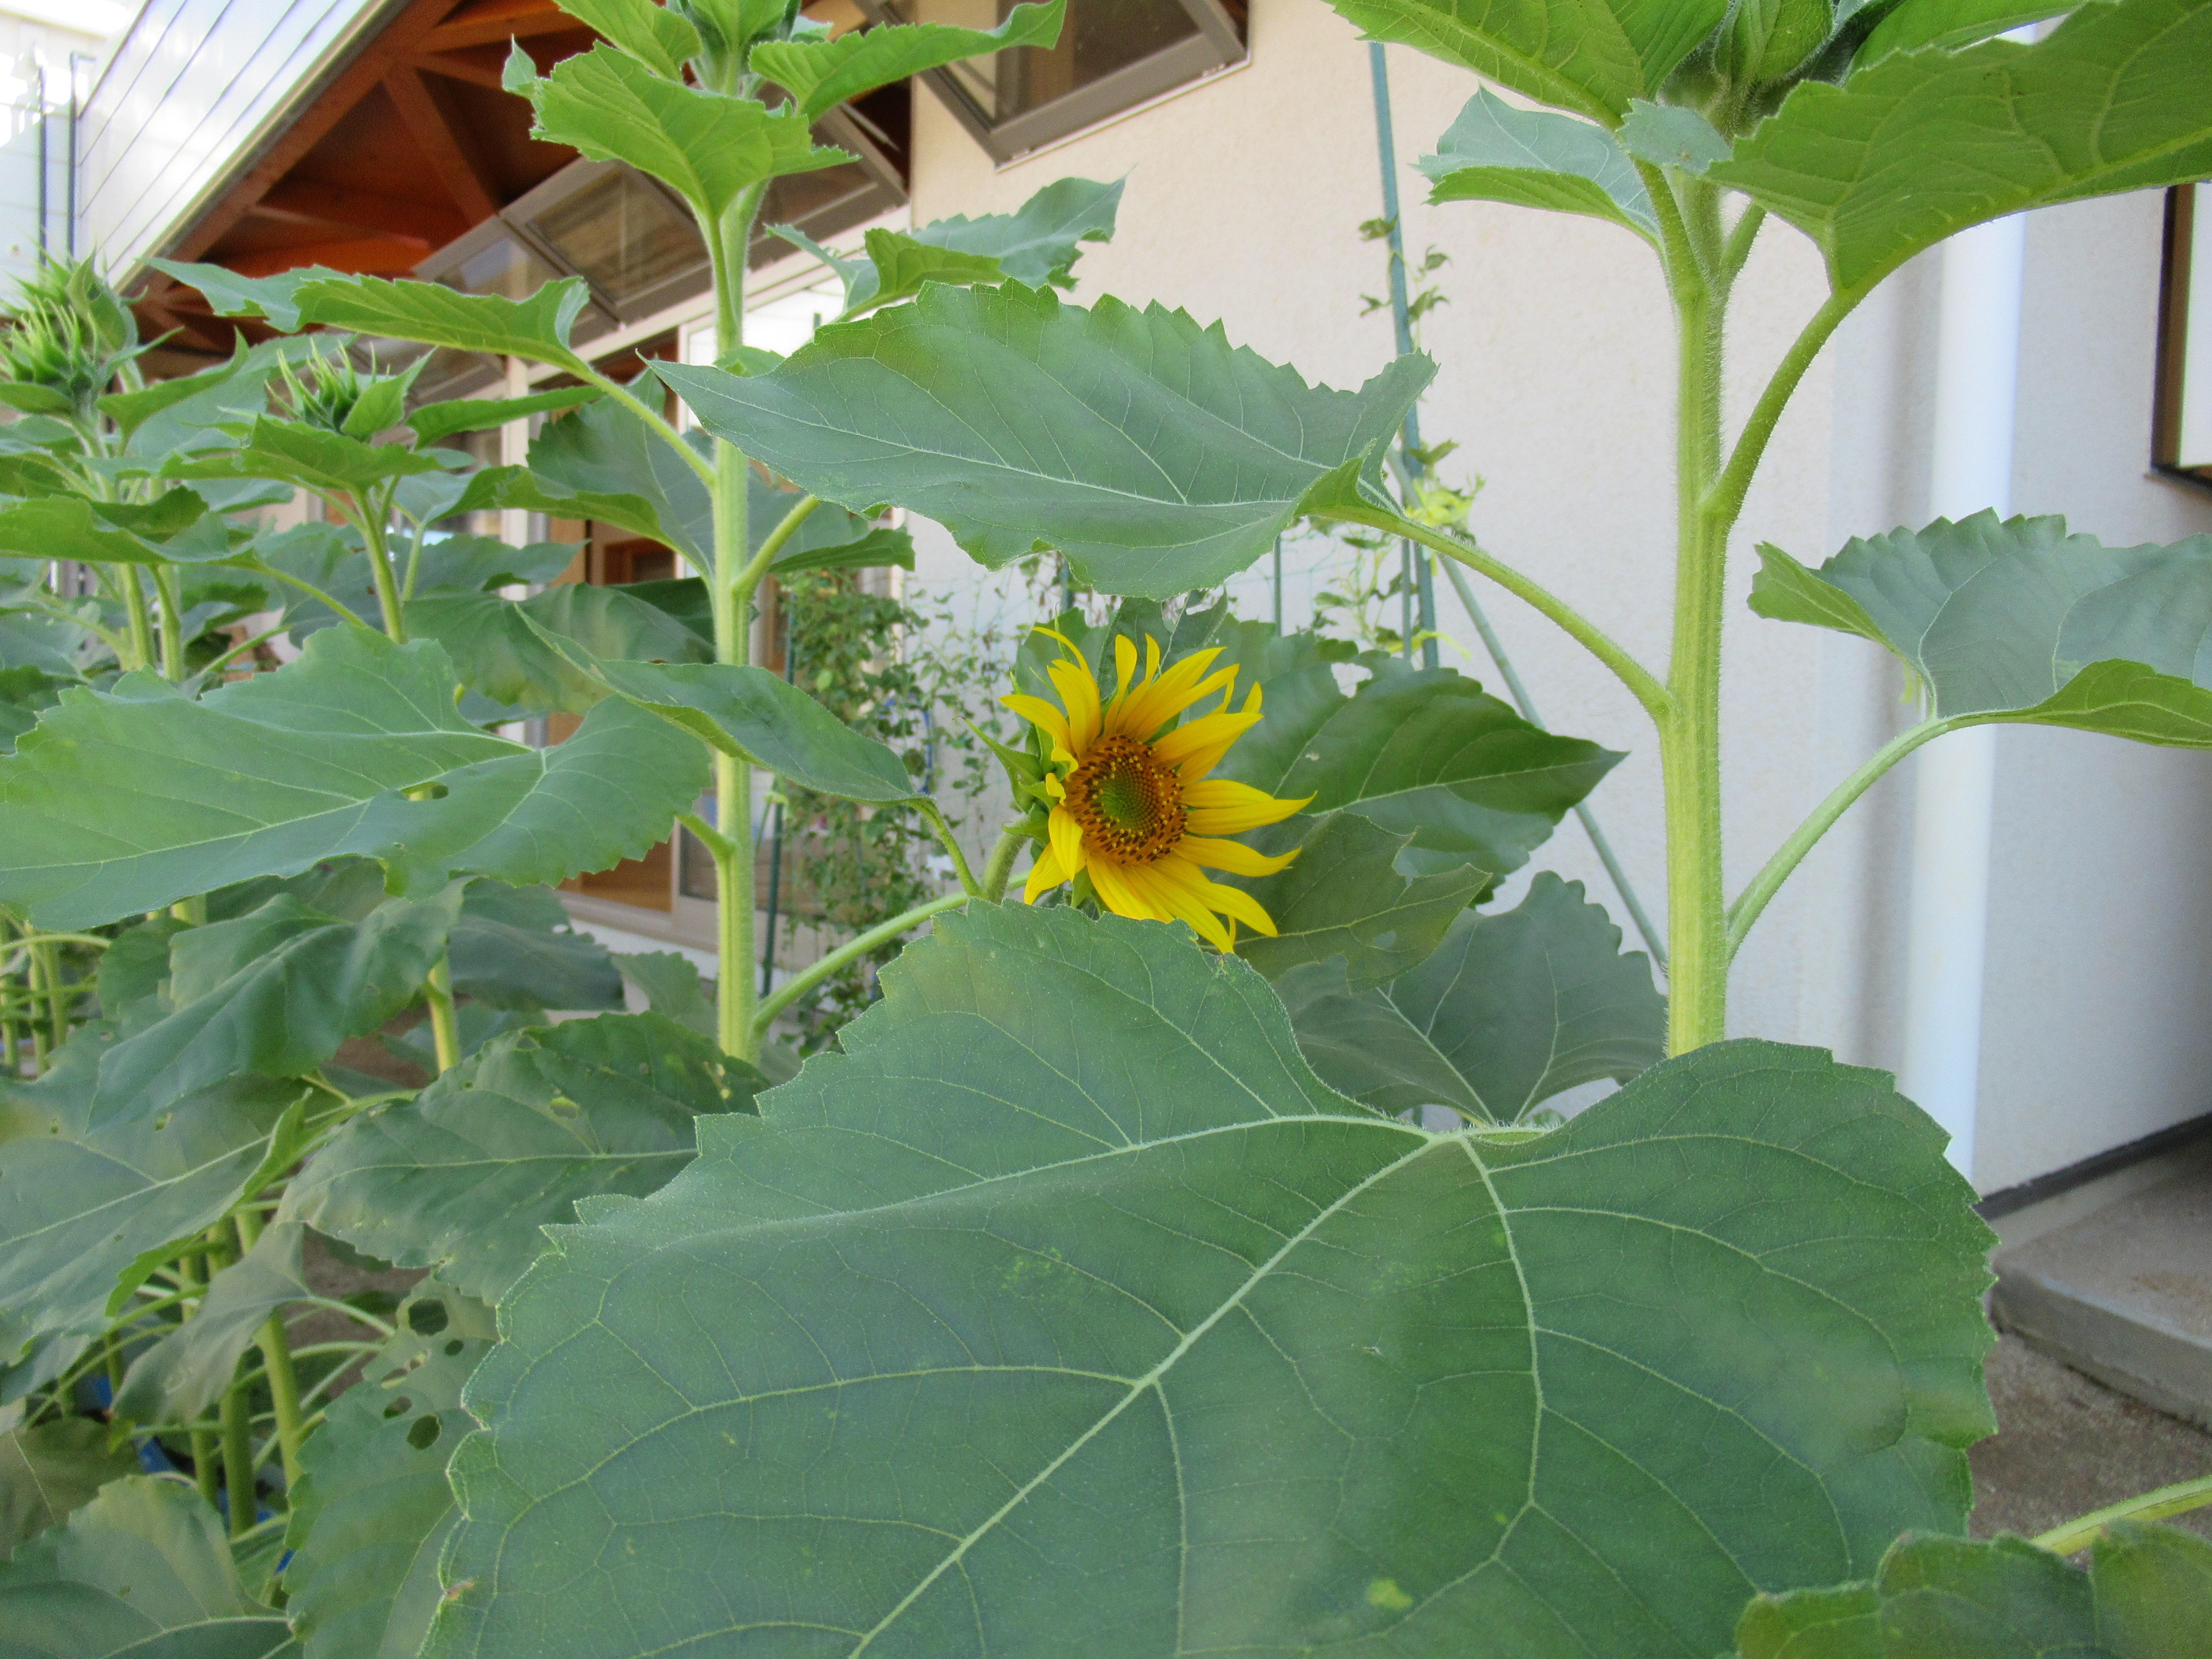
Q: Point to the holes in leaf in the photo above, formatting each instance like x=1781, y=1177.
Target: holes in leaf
x=454, y=1347
x=424, y=1434
x=399, y=1408
x=427, y=1317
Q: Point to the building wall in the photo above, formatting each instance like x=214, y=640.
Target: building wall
x=1244, y=200
x=46, y=48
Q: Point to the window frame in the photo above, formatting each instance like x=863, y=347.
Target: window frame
x=2184, y=205
x=1219, y=43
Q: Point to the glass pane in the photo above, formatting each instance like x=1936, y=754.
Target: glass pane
x=622, y=233
x=506, y=268
x=1101, y=36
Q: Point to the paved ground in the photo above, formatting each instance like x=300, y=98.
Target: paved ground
x=2066, y=1445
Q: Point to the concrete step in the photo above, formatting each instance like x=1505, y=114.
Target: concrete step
x=2115, y=1279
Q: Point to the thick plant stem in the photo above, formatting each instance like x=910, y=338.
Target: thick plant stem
x=275, y=1346
x=170, y=587
x=190, y=1267
x=49, y=966
x=142, y=620
x=951, y=842
x=1000, y=867
x=444, y=1028
x=1690, y=734
x=371, y=521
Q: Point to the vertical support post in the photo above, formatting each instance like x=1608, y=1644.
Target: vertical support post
x=1417, y=569
x=1977, y=388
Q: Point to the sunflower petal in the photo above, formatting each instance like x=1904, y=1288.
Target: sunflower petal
x=1234, y=856
x=1178, y=904
x=1067, y=834
x=1111, y=881
x=1079, y=690
x=1221, y=807
x=1160, y=699
x=1209, y=735
x=1045, y=874
x=1230, y=901
x=1040, y=713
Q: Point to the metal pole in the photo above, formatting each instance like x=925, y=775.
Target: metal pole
x=42, y=164
x=1417, y=568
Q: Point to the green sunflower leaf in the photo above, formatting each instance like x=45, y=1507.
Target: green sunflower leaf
x=1066, y=1312
x=1155, y=456
x=671, y=985
x=142, y=1569
x=497, y=646
x=177, y=529
x=535, y=328
x=747, y=712
x=186, y=1370
x=2142, y=1597
x=272, y=992
x=463, y=1177
x=1915, y=25
x=372, y=1508
x=1426, y=753
x=1496, y=152
x=822, y=74
x=85, y=1208
x=127, y=801
x=1920, y=145
x=1590, y=56
x=2016, y=621
x=1512, y=1009
x=515, y=948
x=708, y=147
x=49, y=1470
x=1345, y=897
x=434, y=421
x=307, y=457
x=658, y=37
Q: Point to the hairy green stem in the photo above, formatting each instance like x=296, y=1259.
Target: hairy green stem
x=444, y=1027
x=275, y=1346
x=1745, y=912
x=2176, y=1499
x=168, y=586
x=201, y=1434
x=851, y=951
x=1000, y=869
x=372, y=518
x=313, y=592
x=1734, y=481
x=786, y=528
x=48, y=964
x=1642, y=684
x=943, y=831
x=142, y=624
x=1690, y=734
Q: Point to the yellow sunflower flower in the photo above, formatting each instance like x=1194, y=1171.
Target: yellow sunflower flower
x=1131, y=805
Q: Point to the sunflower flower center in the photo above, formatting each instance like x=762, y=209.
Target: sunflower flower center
x=1129, y=800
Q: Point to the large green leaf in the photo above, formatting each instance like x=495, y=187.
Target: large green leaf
x=1038, y=242
x=1536, y=158
x=181, y=529
x=372, y=1508
x=463, y=1177
x=1914, y=24
x=306, y=456
x=658, y=36
x=822, y=74
x=128, y=801
x=49, y=1470
x=1919, y=145
x=2144, y=1597
x=513, y=947
x=142, y=1569
x=1593, y=56
x=273, y=992
x=671, y=985
x=445, y=420
x=1345, y=897
x=748, y=713
x=186, y=1370
x=1153, y=454
x=709, y=147
x=1065, y=1312
x=1513, y=1009
x=53, y=645
x=173, y=416
x=536, y=327
x=2014, y=620
x=1426, y=753
x=83, y=1207
x=495, y=644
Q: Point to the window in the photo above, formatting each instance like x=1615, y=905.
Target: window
x=1112, y=54
x=2181, y=426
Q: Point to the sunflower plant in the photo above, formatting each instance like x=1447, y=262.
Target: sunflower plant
x=1192, y=1265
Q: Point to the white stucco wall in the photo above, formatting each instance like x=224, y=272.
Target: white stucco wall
x=1244, y=195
